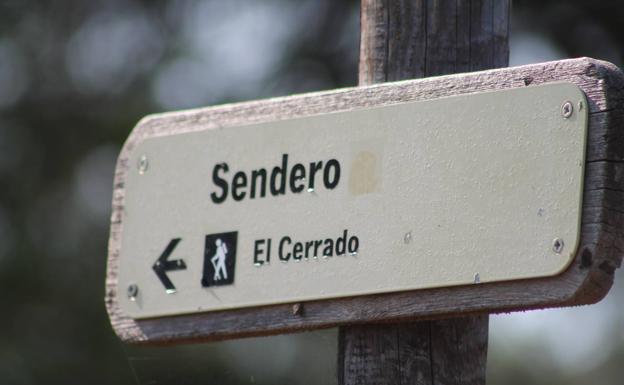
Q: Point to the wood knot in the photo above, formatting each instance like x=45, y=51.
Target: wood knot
x=591, y=70
x=586, y=259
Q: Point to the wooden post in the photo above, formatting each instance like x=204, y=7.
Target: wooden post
x=402, y=39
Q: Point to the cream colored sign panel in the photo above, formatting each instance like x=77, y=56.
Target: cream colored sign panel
x=455, y=191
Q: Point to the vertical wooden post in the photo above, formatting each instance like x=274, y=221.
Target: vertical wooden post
x=402, y=39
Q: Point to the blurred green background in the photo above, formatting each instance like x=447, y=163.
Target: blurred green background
x=75, y=77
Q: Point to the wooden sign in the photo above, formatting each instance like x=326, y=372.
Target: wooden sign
x=367, y=201
x=422, y=198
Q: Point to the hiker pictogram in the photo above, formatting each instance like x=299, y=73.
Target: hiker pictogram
x=219, y=259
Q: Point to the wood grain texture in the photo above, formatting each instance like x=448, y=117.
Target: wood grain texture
x=426, y=352
x=586, y=280
x=424, y=38
x=418, y=38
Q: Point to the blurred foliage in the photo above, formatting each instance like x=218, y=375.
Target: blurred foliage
x=75, y=76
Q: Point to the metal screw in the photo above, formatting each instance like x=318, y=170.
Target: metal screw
x=297, y=309
x=557, y=245
x=133, y=291
x=566, y=109
x=408, y=237
x=142, y=164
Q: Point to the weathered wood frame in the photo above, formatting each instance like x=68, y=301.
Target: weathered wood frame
x=586, y=281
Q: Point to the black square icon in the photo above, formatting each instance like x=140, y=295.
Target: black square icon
x=219, y=259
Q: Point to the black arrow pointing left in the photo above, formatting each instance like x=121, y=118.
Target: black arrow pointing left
x=162, y=266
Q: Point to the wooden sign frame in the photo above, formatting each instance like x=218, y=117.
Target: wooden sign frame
x=586, y=280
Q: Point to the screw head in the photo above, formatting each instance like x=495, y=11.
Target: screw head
x=566, y=109
x=132, y=291
x=297, y=309
x=142, y=164
x=557, y=245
